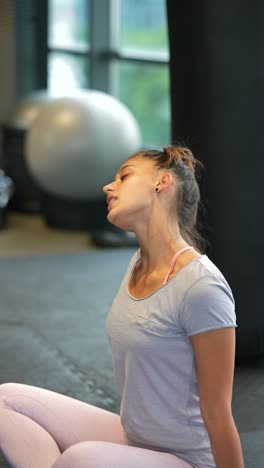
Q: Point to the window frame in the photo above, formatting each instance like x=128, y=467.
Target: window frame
x=103, y=52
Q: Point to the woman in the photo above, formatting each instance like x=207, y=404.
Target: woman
x=172, y=333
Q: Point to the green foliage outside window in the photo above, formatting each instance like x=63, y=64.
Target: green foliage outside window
x=144, y=89
x=150, y=40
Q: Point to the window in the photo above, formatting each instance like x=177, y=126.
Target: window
x=144, y=89
x=68, y=42
x=69, y=24
x=143, y=75
x=143, y=25
x=119, y=47
x=66, y=72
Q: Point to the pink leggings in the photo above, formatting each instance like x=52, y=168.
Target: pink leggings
x=43, y=429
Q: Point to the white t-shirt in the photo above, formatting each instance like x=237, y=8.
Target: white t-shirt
x=153, y=359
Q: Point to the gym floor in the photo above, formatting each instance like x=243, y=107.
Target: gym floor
x=56, y=289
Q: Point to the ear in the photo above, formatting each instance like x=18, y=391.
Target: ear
x=165, y=180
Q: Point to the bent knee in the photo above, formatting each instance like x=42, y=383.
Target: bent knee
x=83, y=454
x=6, y=390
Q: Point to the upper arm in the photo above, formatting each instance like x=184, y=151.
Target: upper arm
x=208, y=318
x=215, y=355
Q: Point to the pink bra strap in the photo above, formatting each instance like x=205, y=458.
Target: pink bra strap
x=174, y=260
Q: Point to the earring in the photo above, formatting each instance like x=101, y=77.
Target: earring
x=156, y=189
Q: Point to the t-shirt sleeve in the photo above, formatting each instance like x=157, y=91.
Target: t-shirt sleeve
x=208, y=305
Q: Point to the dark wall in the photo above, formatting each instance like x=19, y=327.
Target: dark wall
x=7, y=58
x=217, y=89
x=7, y=62
x=23, y=46
x=30, y=46
x=23, y=58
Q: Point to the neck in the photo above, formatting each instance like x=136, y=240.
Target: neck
x=158, y=249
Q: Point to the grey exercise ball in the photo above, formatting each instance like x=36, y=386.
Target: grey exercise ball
x=27, y=109
x=77, y=143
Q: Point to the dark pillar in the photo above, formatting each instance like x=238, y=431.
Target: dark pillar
x=217, y=94
x=31, y=19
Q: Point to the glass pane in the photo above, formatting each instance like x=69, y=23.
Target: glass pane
x=144, y=25
x=66, y=73
x=68, y=24
x=144, y=89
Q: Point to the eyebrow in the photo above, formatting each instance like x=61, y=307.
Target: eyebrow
x=123, y=167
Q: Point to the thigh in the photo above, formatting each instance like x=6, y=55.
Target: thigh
x=109, y=455
x=67, y=420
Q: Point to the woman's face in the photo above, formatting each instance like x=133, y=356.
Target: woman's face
x=131, y=195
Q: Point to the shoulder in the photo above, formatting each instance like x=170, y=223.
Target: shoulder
x=197, y=277
x=208, y=302
x=209, y=281
x=202, y=275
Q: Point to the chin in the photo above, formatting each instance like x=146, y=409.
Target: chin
x=119, y=222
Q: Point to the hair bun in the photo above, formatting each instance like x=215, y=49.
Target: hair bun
x=180, y=154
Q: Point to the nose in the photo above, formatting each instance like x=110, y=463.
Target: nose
x=107, y=188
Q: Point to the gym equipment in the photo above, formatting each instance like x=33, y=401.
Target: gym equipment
x=75, y=215
x=26, y=193
x=73, y=149
x=111, y=237
x=27, y=110
x=76, y=144
x=6, y=191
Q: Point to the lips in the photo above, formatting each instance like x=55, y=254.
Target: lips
x=110, y=200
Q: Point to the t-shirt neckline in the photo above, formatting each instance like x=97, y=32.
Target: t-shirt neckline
x=163, y=285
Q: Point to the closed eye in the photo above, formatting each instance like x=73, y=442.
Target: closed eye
x=123, y=176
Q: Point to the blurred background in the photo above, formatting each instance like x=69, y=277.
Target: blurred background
x=84, y=84
x=117, y=47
